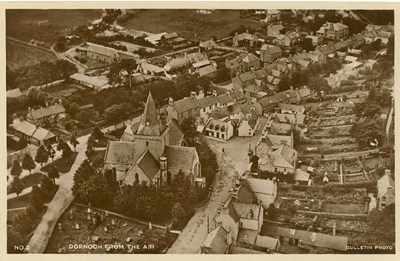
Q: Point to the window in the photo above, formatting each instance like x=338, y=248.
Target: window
x=276, y=169
x=222, y=136
x=136, y=178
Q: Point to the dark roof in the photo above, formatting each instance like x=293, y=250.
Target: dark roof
x=247, y=236
x=207, y=101
x=225, y=112
x=180, y=157
x=247, y=76
x=170, y=35
x=120, y=153
x=244, y=209
x=216, y=240
x=232, y=211
x=149, y=165
x=186, y=104
x=308, y=238
x=238, y=96
x=46, y=111
x=149, y=124
x=326, y=49
x=225, y=98
x=175, y=133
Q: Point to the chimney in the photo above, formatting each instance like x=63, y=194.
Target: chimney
x=215, y=93
x=170, y=101
x=201, y=94
x=193, y=94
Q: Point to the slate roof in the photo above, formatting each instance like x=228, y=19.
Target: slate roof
x=265, y=190
x=180, y=157
x=300, y=175
x=32, y=130
x=46, y=111
x=214, y=124
x=149, y=124
x=216, y=240
x=308, y=238
x=247, y=236
x=266, y=242
x=224, y=98
x=175, y=133
x=120, y=153
x=226, y=112
x=149, y=165
x=275, y=140
x=208, y=101
x=186, y=104
x=283, y=156
x=244, y=209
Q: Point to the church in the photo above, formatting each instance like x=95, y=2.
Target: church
x=152, y=152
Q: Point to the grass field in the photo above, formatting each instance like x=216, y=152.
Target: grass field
x=24, y=25
x=63, y=165
x=19, y=55
x=188, y=22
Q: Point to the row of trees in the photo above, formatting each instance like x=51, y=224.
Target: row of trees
x=23, y=224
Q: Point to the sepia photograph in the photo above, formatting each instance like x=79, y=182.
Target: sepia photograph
x=200, y=131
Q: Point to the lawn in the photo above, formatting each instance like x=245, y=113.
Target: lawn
x=63, y=164
x=20, y=202
x=24, y=25
x=31, y=180
x=188, y=22
x=19, y=55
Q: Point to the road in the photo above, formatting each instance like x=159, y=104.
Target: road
x=232, y=163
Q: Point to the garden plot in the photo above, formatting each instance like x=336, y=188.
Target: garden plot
x=337, y=121
x=329, y=132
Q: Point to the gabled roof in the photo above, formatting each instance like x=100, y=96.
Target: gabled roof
x=204, y=71
x=121, y=153
x=185, y=104
x=275, y=140
x=266, y=242
x=300, y=175
x=32, y=130
x=247, y=236
x=250, y=58
x=46, y=111
x=218, y=125
x=208, y=101
x=326, y=49
x=149, y=124
x=216, y=240
x=264, y=190
x=224, y=98
x=283, y=156
x=246, y=210
x=175, y=133
x=151, y=67
x=247, y=76
x=226, y=112
x=149, y=165
x=270, y=49
x=180, y=157
x=14, y=93
x=286, y=106
x=297, y=118
x=308, y=238
x=170, y=35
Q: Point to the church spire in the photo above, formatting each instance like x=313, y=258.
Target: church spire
x=149, y=124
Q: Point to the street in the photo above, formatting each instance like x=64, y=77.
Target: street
x=231, y=163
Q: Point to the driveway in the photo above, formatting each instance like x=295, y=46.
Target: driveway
x=232, y=163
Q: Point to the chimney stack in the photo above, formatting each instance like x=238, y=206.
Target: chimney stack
x=215, y=93
x=170, y=101
x=193, y=94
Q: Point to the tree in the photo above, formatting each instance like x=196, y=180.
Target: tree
x=47, y=185
x=272, y=212
x=366, y=132
x=16, y=169
x=97, y=133
x=284, y=84
x=66, y=149
x=37, y=198
x=177, y=212
x=74, y=141
x=306, y=44
x=117, y=112
x=319, y=85
x=86, y=116
x=223, y=74
x=383, y=223
x=53, y=173
x=51, y=151
x=42, y=155
x=16, y=186
x=14, y=238
x=28, y=163
x=188, y=129
x=367, y=109
x=73, y=109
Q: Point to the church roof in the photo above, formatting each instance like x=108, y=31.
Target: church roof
x=175, y=133
x=149, y=124
x=180, y=157
x=149, y=165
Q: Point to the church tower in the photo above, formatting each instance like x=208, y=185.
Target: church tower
x=151, y=134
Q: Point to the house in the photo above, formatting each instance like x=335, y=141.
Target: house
x=334, y=31
x=291, y=108
x=307, y=239
x=151, y=69
x=14, y=93
x=287, y=39
x=281, y=158
x=386, y=190
x=323, y=52
x=243, y=63
x=245, y=39
x=248, y=125
x=264, y=190
x=47, y=116
x=182, y=109
x=149, y=154
x=218, y=241
x=176, y=64
x=94, y=82
x=225, y=100
x=274, y=30
x=243, y=80
x=316, y=40
x=208, y=104
x=266, y=244
x=271, y=16
x=155, y=38
x=103, y=53
x=172, y=40
x=32, y=133
x=269, y=53
x=219, y=129
x=294, y=119
x=301, y=177
x=209, y=71
x=208, y=45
